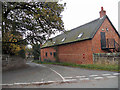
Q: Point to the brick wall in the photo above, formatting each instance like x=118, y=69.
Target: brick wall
x=96, y=41
x=50, y=54
x=79, y=52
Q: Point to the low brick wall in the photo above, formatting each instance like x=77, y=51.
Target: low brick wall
x=106, y=58
x=12, y=62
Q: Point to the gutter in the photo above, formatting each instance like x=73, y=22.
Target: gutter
x=66, y=43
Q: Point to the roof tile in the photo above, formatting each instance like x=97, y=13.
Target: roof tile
x=88, y=31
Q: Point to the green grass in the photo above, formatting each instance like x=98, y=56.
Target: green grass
x=85, y=66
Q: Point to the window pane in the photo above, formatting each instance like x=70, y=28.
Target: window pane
x=46, y=54
x=63, y=39
x=106, y=29
x=54, y=54
x=51, y=53
x=80, y=35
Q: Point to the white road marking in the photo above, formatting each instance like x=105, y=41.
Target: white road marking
x=37, y=82
x=52, y=70
x=65, y=80
x=50, y=81
x=84, y=79
x=116, y=73
x=6, y=84
x=93, y=75
x=111, y=76
x=58, y=74
x=106, y=74
x=69, y=80
x=98, y=78
x=68, y=77
x=80, y=76
x=21, y=83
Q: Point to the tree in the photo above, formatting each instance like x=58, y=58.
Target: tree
x=11, y=47
x=36, y=51
x=35, y=20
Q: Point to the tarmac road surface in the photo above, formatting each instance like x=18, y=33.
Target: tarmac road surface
x=54, y=76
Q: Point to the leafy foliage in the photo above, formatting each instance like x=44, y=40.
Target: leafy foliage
x=9, y=45
x=22, y=53
x=35, y=20
x=36, y=51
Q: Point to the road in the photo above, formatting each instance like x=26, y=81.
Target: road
x=54, y=76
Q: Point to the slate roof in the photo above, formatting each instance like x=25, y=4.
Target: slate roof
x=88, y=30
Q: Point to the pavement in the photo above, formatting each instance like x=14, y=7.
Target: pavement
x=54, y=76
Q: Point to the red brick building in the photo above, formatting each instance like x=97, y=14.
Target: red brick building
x=79, y=44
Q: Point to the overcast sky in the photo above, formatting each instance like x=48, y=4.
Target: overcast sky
x=79, y=12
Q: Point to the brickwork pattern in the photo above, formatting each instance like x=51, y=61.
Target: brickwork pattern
x=79, y=52
x=82, y=52
x=96, y=41
x=49, y=55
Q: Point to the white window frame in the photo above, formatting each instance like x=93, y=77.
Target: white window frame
x=80, y=35
x=107, y=29
x=63, y=39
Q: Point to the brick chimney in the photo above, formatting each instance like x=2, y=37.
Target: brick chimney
x=102, y=12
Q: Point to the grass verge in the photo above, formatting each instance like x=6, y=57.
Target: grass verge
x=85, y=66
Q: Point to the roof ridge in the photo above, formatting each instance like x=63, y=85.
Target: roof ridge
x=76, y=27
x=85, y=24
x=98, y=26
